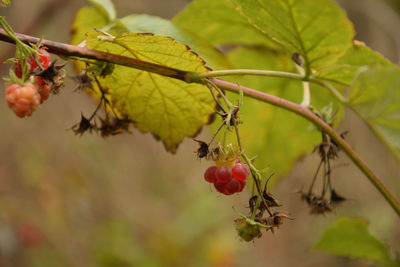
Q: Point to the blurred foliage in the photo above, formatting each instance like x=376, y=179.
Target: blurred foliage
x=68, y=201
x=350, y=237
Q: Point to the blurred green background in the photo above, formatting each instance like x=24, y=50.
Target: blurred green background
x=67, y=200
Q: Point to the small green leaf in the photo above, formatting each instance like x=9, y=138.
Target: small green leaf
x=86, y=19
x=170, y=109
x=106, y=7
x=358, y=56
x=350, y=237
x=317, y=29
x=218, y=22
x=375, y=96
x=159, y=26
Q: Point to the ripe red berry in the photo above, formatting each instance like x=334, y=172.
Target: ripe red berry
x=220, y=186
x=224, y=174
x=232, y=186
x=209, y=175
x=23, y=100
x=43, y=57
x=44, y=88
x=240, y=171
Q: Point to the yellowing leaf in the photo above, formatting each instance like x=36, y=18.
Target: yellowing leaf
x=317, y=29
x=145, y=23
x=170, y=109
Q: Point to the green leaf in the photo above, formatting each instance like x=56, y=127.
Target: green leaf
x=317, y=29
x=86, y=19
x=170, y=109
x=375, y=96
x=345, y=69
x=105, y=7
x=277, y=137
x=159, y=26
x=350, y=237
x=218, y=22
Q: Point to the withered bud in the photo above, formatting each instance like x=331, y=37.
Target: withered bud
x=202, y=151
x=247, y=231
x=83, y=126
x=336, y=198
x=83, y=80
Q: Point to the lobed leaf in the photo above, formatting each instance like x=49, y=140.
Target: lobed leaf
x=375, y=97
x=350, y=237
x=170, y=109
x=316, y=29
x=218, y=22
x=159, y=26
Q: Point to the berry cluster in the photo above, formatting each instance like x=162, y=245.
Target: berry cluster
x=24, y=100
x=228, y=179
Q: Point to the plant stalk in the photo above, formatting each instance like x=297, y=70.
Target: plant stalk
x=67, y=50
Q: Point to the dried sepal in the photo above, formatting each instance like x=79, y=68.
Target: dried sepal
x=83, y=126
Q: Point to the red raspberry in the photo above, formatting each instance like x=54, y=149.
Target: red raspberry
x=220, y=186
x=43, y=58
x=224, y=174
x=232, y=186
x=209, y=175
x=22, y=100
x=240, y=171
x=44, y=88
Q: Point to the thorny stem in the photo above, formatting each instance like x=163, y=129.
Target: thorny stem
x=209, y=82
x=215, y=134
x=238, y=136
x=253, y=171
x=269, y=73
x=256, y=179
x=324, y=180
x=314, y=178
x=215, y=98
x=62, y=49
x=329, y=176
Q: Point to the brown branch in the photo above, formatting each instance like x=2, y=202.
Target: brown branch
x=68, y=50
